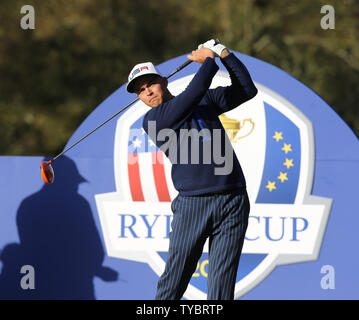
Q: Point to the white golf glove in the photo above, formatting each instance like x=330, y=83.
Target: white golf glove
x=216, y=48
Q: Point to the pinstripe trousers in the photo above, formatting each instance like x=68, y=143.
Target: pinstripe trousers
x=221, y=217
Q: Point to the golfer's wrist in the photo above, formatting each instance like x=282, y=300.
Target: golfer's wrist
x=224, y=53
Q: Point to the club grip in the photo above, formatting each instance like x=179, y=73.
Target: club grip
x=186, y=63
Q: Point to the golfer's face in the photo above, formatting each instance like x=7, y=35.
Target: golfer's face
x=150, y=89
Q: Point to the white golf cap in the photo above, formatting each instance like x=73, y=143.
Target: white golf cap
x=139, y=70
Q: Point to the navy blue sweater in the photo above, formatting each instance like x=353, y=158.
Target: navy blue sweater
x=187, y=129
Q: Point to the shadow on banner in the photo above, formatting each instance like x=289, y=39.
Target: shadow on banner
x=59, y=239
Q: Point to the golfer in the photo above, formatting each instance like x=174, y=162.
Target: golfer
x=212, y=200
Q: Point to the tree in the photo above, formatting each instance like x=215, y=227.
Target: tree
x=81, y=51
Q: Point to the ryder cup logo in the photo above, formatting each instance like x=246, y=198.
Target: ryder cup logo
x=274, y=143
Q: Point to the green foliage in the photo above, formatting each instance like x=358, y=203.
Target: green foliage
x=81, y=51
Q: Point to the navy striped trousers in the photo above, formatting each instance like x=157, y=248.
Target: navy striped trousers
x=221, y=217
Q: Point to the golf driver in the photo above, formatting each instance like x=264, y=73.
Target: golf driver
x=47, y=172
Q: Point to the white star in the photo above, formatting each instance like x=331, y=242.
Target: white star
x=137, y=143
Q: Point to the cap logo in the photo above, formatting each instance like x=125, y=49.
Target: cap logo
x=135, y=72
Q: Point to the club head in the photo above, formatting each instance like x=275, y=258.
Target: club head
x=47, y=173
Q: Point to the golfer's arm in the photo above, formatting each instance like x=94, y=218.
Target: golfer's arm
x=174, y=111
x=241, y=89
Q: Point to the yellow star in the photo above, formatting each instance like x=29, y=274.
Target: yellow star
x=271, y=185
x=288, y=163
x=287, y=148
x=277, y=136
x=282, y=176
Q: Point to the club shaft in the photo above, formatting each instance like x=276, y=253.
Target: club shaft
x=113, y=116
x=98, y=127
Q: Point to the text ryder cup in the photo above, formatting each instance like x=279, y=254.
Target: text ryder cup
x=159, y=226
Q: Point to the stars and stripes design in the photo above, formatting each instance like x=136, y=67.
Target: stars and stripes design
x=149, y=170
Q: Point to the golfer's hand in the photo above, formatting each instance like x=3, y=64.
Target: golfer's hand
x=219, y=49
x=201, y=54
